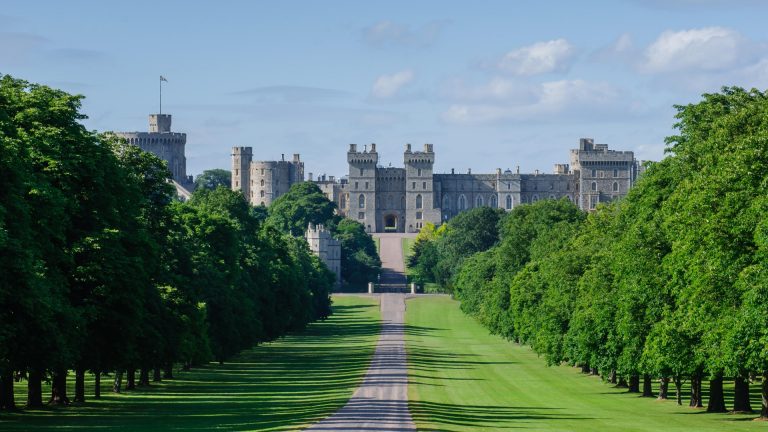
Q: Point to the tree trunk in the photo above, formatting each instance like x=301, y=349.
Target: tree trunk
x=647, y=386
x=695, y=401
x=764, y=394
x=741, y=395
x=716, y=401
x=585, y=368
x=663, y=388
x=131, y=383
x=594, y=371
x=34, y=389
x=59, y=388
x=156, y=374
x=144, y=377
x=679, y=390
x=168, y=372
x=117, y=386
x=622, y=383
x=634, y=384
x=7, y=401
x=612, y=376
x=80, y=385
x=97, y=385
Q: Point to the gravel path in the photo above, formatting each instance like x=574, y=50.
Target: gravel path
x=381, y=402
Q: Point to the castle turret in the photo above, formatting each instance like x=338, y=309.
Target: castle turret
x=362, y=185
x=241, y=171
x=420, y=204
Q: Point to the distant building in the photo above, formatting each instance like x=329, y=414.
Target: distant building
x=168, y=146
x=327, y=248
x=263, y=181
x=388, y=199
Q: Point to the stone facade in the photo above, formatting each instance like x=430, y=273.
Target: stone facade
x=263, y=181
x=394, y=199
x=327, y=248
x=168, y=146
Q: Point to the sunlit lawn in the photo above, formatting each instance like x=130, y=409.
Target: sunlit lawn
x=277, y=386
x=462, y=379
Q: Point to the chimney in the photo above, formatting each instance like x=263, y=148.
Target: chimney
x=373, y=147
x=282, y=157
x=469, y=170
x=537, y=172
x=296, y=157
x=518, y=169
x=407, y=148
x=453, y=171
x=310, y=176
x=353, y=148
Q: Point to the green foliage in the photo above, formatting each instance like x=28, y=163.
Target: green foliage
x=302, y=205
x=213, y=178
x=101, y=269
x=668, y=282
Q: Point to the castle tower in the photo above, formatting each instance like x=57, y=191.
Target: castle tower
x=241, y=171
x=168, y=146
x=362, y=186
x=420, y=204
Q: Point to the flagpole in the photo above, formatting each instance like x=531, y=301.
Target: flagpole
x=161, y=94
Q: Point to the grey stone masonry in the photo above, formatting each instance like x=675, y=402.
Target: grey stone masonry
x=403, y=199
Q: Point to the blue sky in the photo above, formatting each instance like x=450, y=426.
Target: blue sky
x=489, y=83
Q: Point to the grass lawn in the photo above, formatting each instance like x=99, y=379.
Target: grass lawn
x=282, y=385
x=462, y=379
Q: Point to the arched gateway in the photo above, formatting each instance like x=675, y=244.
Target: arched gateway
x=390, y=223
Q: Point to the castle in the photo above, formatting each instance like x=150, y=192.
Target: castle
x=167, y=145
x=327, y=248
x=387, y=199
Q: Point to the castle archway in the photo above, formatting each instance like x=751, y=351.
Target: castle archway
x=390, y=223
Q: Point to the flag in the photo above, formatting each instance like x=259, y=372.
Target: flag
x=162, y=78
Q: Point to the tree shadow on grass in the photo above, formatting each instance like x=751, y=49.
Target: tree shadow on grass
x=481, y=417
x=282, y=385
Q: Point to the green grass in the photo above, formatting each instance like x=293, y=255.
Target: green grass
x=283, y=385
x=462, y=379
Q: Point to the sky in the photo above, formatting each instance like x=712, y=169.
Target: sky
x=492, y=84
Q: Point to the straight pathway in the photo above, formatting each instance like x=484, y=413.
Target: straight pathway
x=381, y=401
x=392, y=265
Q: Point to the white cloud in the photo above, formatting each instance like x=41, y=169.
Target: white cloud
x=386, y=86
x=576, y=98
x=708, y=49
x=539, y=58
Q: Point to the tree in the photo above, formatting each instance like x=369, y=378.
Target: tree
x=213, y=178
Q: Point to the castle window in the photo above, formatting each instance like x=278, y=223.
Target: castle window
x=361, y=172
x=494, y=204
x=479, y=201
x=262, y=194
x=361, y=215
x=594, y=186
x=366, y=185
x=262, y=182
x=615, y=186
x=446, y=202
x=419, y=215
x=342, y=201
x=237, y=171
x=602, y=174
x=535, y=198
x=413, y=185
x=237, y=183
x=462, y=202
x=551, y=186
x=567, y=186
x=361, y=201
x=592, y=202
x=262, y=171
x=419, y=174
x=402, y=202
x=356, y=185
x=551, y=197
x=418, y=201
x=594, y=173
x=615, y=173
x=509, y=202
x=423, y=185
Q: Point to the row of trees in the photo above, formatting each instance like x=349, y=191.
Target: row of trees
x=306, y=204
x=669, y=283
x=102, y=270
